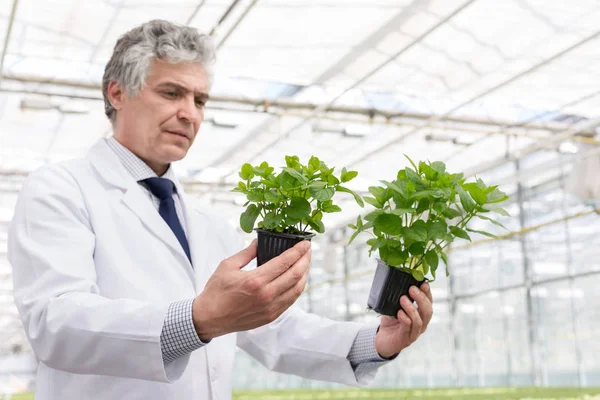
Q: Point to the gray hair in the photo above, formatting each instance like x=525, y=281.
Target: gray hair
x=134, y=51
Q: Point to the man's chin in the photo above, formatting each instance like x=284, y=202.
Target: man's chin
x=175, y=153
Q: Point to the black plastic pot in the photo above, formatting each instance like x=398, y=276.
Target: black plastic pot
x=389, y=284
x=272, y=244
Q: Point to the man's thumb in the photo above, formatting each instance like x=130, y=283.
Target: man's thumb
x=241, y=259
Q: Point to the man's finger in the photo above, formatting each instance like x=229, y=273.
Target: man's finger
x=425, y=307
x=241, y=259
x=289, y=297
x=426, y=288
x=292, y=276
x=413, y=314
x=402, y=317
x=278, y=265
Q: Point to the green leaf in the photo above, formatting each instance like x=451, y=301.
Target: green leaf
x=331, y=208
x=466, y=200
x=384, y=253
x=456, y=231
x=396, y=256
x=402, y=211
x=272, y=220
x=372, y=215
x=401, y=202
x=374, y=243
x=396, y=188
x=317, y=215
x=314, y=162
x=410, y=188
x=417, y=231
x=256, y=196
x=299, y=208
x=287, y=181
x=440, y=207
x=357, y=198
x=427, y=193
x=348, y=175
x=322, y=194
x=332, y=180
x=267, y=170
x=297, y=175
x=272, y=197
x=388, y=223
x=247, y=172
x=248, y=217
x=392, y=243
x=491, y=220
x=436, y=230
x=499, y=210
x=317, y=185
x=439, y=166
x=289, y=221
x=292, y=161
x=496, y=196
x=476, y=193
x=432, y=259
x=377, y=191
x=413, y=176
x=483, y=233
x=263, y=170
x=269, y=183
x=354, y=235
x=423, y=206
x=416, y=249
x=444, y=257
x=425, y=267
x=452, y=213
x=373, y=201
x=418, y=275
x=429, y=172
x=412, y=162
x=317, y=225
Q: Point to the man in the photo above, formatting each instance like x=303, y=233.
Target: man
x=127, y=289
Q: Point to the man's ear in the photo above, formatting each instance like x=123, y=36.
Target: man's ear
x=116, y=95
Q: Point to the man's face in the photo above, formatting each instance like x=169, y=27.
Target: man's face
x=161, y=123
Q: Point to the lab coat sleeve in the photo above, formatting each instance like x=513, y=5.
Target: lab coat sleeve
x=69, y=324
x=306, y=345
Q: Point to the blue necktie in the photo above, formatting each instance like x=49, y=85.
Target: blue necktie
x=163, y=189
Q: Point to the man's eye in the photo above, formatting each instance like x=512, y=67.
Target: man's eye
x=170, y=94
x=200, y=103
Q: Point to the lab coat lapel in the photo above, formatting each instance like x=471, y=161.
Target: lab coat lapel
x=109, y=167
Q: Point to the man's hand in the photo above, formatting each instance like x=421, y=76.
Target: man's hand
x=397, y=334
x=235, y=300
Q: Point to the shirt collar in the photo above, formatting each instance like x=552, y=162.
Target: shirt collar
x=136, y=167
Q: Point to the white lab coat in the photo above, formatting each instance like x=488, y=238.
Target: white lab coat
x=95, y=269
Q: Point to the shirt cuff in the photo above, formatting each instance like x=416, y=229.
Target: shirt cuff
x=178, y=336
x=362, y=356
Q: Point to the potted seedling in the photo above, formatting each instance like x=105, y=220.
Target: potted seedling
x=287, y=206
x=416, y=217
